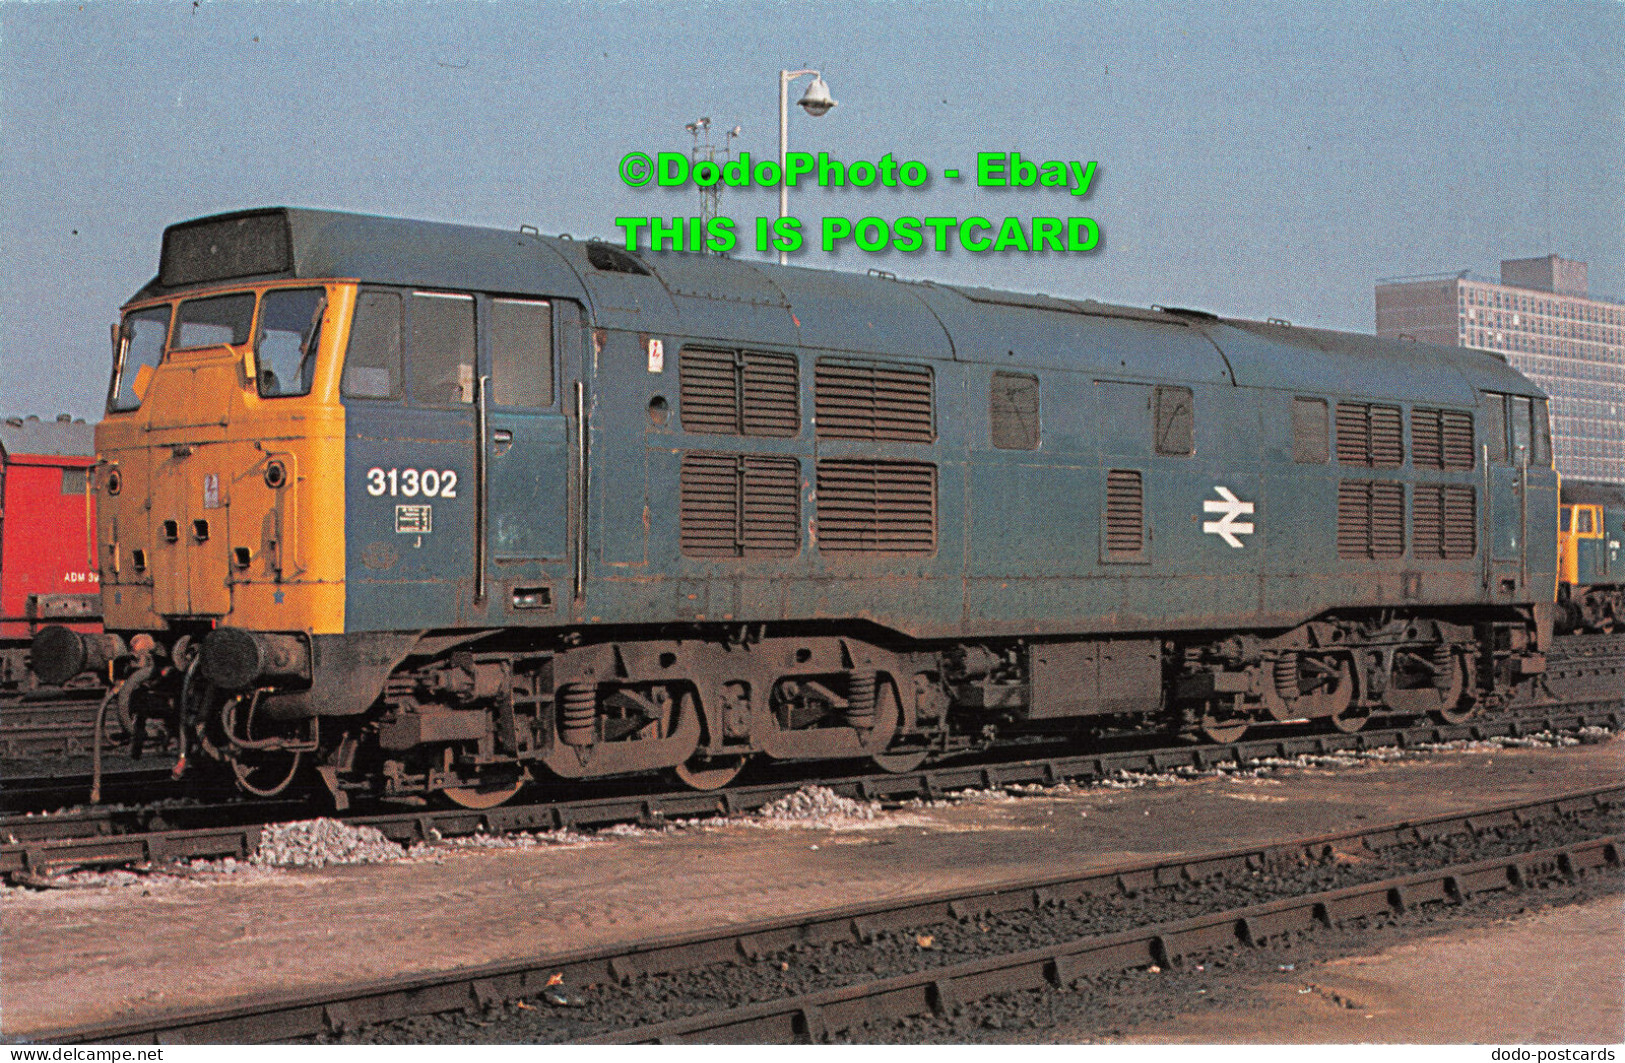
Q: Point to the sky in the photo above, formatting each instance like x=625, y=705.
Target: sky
x=1256, y=160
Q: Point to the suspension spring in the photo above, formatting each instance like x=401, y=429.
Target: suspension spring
x=1286, y=676
x=578, y=713
x=1444, y=664
x=860, y=700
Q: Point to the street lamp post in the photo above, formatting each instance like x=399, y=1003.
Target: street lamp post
x=816, y=102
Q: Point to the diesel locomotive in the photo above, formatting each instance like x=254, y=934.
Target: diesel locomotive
x=1590, y=561
x=47, y=537
x=420, y=509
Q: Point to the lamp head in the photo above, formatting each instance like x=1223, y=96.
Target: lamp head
x=817, y=100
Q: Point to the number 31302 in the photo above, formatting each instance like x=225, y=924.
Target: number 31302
x=409, y=483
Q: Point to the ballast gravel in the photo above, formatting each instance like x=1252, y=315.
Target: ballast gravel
x=323, y=843
x=816, y=805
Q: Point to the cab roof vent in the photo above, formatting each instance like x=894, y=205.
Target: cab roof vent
x=225, y=247
x=612, y=260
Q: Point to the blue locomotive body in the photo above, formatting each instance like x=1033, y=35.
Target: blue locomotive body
x=607, y=512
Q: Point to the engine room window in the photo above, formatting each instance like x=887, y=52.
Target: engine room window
x=214, y=321
x=289, y=333
x=372, y=365
x=521, y=353
x=75, y=481
x=1013, y=411
x=1495, y=427
x=141, y=348
x=1542, y=454
x=1175, y=421
x=1521, y=420
x=1311, y=434
x=441, y=354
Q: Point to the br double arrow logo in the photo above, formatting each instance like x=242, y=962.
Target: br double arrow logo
x=1228, y=527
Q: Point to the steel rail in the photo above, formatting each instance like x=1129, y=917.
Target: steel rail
x=814, y=1016
x=31, y=858
x=287, y=1016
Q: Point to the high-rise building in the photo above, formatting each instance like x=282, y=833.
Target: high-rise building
x=1543, y=321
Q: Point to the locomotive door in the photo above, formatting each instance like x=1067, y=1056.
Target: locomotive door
x=526, y=408
x=1505, y=451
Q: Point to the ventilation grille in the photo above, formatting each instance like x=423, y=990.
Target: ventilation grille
x=737, y=505
x=749, y=393
x=1370, y=519
x=1445, y=522
x=1441, y=439
x=874, y=400
x=1125, y=513
x=1370, y=435
x=877, y=507
x=772, y=394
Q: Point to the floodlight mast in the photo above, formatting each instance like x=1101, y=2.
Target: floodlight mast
x=816, y=102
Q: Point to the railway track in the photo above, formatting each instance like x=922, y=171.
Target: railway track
x=36, y=847
x=827, y=974
x=55, y=726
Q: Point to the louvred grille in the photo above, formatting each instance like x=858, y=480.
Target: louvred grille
x=874, y=400
x=1370, y=435
x=710, y=391
x=1441, y=439
x=1446, y=521
x=1387, y=437
x=1458, y=440
x=772, y=521
x=739, y=505
x=772, y=395
x=1125, y=513
x=1370, y=519
x=751, y=393
x=877, y=507
x=1353, y=434
x=1427, y=443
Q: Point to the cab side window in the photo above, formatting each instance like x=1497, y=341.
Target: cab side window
x=441, y=351
x=140, y=348
x=372, y=365
x=521, y=353
x=1175, y=412
x=290, y=331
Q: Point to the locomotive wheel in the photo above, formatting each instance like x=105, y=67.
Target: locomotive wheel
x=1458, y=705
x=709, y=773
x=1309, y=687
x=1349, y=719
x=1221, y=725
x=1445, y=700
x=700, y=772
x=483, y=795
x=887, y=708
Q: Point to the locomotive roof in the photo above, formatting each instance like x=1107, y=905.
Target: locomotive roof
x=58, y=438
x=717, y=298
x=1593, y=493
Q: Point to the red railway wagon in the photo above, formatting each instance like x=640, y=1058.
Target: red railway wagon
x=47, y=535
